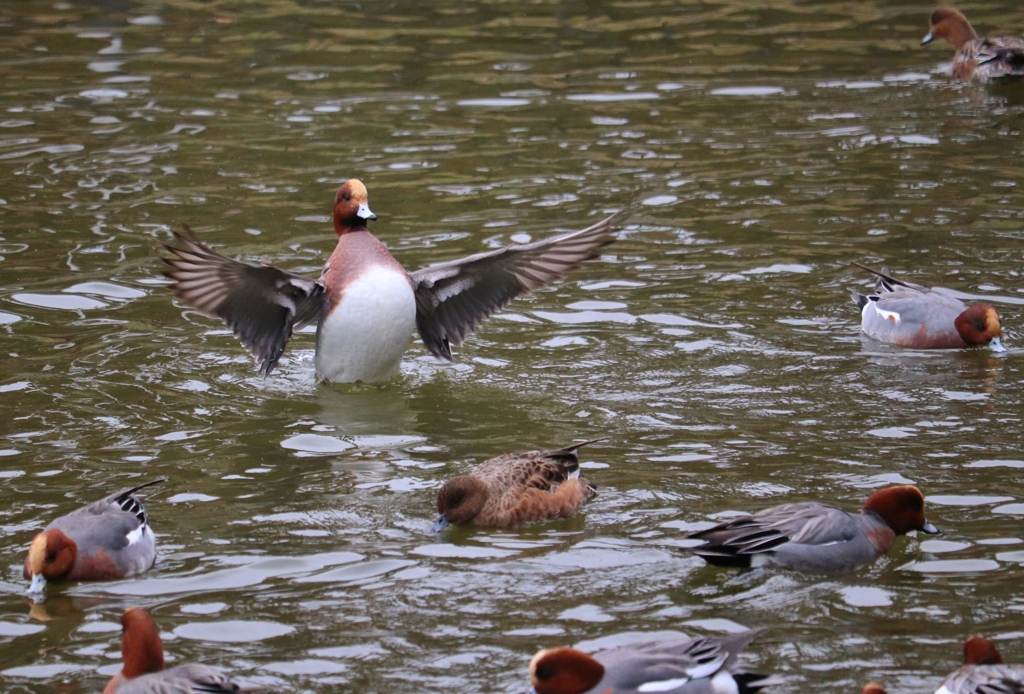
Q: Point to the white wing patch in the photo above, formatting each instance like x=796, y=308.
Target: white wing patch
x=697, y=672
x=663, y=685
x=887, y=315
x=136, y=536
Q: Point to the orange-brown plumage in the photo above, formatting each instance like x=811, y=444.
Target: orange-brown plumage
x=980, y=651
x=143, y=671
x=564, y=671
x=141, y=647
x=516, y=488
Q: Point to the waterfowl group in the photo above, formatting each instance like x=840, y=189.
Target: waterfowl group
x=366, y=307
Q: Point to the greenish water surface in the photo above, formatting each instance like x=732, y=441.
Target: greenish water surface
x=758, y=149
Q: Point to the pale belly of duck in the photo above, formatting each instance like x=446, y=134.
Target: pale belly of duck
x=364, y=337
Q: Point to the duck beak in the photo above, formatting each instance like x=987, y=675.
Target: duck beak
x=365, y=213
x=997, y=345
x=930, y=529
x=928, y=38
x=441, y=524
x=37, y=584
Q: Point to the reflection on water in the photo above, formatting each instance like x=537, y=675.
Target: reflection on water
x=758, y=150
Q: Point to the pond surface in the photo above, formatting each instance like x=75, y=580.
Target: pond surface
x=757, y=150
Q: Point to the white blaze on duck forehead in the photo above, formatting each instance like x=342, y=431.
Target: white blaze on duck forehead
x=37, y=554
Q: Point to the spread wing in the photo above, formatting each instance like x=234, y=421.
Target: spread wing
x=262, y=304
x=453, y=298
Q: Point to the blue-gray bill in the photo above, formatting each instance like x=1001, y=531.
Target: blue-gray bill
x=38, y=582
x=930, y=529
x=440, y=525
x=928, y=38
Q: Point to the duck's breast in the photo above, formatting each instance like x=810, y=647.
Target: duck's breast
x=370, y=315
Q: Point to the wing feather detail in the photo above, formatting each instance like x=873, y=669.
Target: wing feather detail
x=454, y=298
x=261, y=304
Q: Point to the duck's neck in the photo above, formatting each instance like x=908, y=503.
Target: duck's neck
x=960, y=33
x=342, y=227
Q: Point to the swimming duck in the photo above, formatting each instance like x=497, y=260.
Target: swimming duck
x=983, y=672
x=143, y=671
x=516, y=488
x=703, y=665
x=873, y=688
x=365, y=304
x=909, y=315
x=104, y=541
x=982, y=59
x=814, y=537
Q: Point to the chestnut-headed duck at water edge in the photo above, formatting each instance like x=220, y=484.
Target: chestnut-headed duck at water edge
x=705, y=665
x=983, y=672
x=516, y=488
x=365, y=304
x=909, y=315
x=107, y=540
x=873, y=688
x=143, y=671
x=813, y=537
x=984, y=59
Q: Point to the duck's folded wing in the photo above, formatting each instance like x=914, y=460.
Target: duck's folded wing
x=669, y=665
x=807, y=523
x=985, y=679
x=453, y=298
x=1005, y=54
x=184, y=679
x=885, y=281
x=261, y=304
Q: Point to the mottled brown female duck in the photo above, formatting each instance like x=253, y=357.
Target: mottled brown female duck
x=516, y=488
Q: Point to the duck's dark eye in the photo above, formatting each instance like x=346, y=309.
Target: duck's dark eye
x=346, y=197
x=544, y=672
